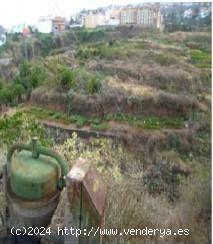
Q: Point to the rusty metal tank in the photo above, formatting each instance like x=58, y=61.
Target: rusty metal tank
x=35, y=175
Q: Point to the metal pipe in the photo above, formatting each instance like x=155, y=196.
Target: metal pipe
x=35, y=153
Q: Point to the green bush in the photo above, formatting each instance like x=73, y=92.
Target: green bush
x=38, y=74
x=87, y=35
x=163, y=59
x=198, y=55
x=29, y=77
x=101, y=127
x=4, y=48
x=148, y=122
x=24, y=69
x=67, y=79
x=157, y=123
x=206, y=77
x=47, y=42
x=15, y=37
x=173, y=141
x=86, y=52
x=95, y=121
x=56, y=115
x=58, y=51
x=12, y=94
x=17, y=91
x=20, y=128
x=6, y=96
x=85, y=79
x=114, y=52
x=24, y=76
x=201, y=41
x=80, y=80
x=93, y=86
x=200, y=58
x=1, y=84
x=79, y=120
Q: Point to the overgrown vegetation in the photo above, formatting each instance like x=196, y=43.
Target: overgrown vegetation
x=155, y=88
x=109, y=50
x=20, y=128
x=20, y=88
x=47, y=41
x=78, y=79
x=147, y=122
x=164, y=60
x=201, y=59
x=67, y=79
x=177, y=20
x=143, y=198
x=101, y=123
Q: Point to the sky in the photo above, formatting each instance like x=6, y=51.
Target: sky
x=14, y=12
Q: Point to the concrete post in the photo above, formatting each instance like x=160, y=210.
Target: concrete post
x=86, y=194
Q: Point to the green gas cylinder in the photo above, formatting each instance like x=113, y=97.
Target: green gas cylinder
x=35, y=177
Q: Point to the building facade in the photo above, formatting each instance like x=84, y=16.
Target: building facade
x=112, y=17
x=58, y=25
x=128, y=16
x=148, y=16
x=94, y=20
x=143, y=16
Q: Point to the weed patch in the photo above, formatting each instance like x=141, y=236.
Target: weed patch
x=164, y=59
x=148, y=122
x=200, y=58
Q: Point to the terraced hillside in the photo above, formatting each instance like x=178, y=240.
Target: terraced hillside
x=149, y=81
x=149, y=90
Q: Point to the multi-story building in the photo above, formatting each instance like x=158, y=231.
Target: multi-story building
x=93, y=20
x=113, y=17
x=128, y=16
x=58, y=25
x=147, y=16
x=144, y=16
